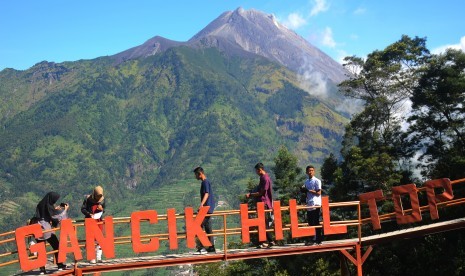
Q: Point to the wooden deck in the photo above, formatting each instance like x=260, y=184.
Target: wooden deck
x=247, y=253
x=194, y=258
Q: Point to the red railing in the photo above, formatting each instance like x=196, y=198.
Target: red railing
x=227, y=228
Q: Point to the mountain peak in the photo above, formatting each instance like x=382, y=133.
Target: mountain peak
x=241, y=22
x=151, y=47
x=261, y=34
x=245, y=32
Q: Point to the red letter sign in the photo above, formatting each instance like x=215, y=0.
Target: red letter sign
x=172, y=230
x=137, y=245
x=21, y=233
x=327, y=228
x=67, y=231
x=371, y=198
x=401, y=217
x=194, y=228
x=247, y=223
x=278, y=224
x=94, y=233
x=297, y=232
x=448, y=194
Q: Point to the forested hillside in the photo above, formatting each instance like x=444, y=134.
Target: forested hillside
x=141, y=126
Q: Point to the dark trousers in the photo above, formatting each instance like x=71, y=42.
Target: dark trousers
x=54, y=243
x=207, y=226
x=269, y=221
x=313, y=219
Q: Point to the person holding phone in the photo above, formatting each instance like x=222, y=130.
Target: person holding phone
x=312, y=187
x=49, y=216
x=94, y=207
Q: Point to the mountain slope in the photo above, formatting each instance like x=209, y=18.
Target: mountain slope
x=138, y=122
x=147, y=123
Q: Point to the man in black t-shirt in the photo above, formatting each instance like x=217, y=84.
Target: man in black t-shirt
x=206, y=199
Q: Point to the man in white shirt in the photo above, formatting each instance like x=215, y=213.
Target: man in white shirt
x=313, y=188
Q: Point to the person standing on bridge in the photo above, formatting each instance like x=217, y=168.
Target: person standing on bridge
x=264, y=194
x=312, y=187
x=206, y=199
x=48, y=215
x=94, y=207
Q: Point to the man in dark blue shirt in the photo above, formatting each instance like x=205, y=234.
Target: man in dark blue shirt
x=206, y=199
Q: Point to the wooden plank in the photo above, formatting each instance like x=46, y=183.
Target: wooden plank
x=414, y=232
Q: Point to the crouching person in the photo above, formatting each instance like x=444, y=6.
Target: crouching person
x=94, y=207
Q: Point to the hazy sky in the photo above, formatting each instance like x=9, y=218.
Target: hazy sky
x=33, y=31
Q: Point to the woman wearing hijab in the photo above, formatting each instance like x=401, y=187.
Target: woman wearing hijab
x=94, y=207
x=48, y=216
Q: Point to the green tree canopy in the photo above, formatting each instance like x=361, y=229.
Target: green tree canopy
x=288, y=176
x=374, y=147
x=438, y=116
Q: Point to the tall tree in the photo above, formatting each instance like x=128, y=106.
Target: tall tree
x=373, y=147
x=438, y=116
x=288, y=176
x=328, y=169
x=384, y=81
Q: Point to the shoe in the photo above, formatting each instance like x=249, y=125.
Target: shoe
x=271, y=244
x=43, y=271
x=93, y=261
x=262, y=245
x=99, y=261
x=201, y=251
x=318, y=243
x=211, y=249
x=62, y=267
x=309, y=243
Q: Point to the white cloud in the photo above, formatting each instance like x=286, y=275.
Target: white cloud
x=315, y=83
x=327, y=39
x=320, y=6
x=294, y=21
x=351, y=106
x=458, y=46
